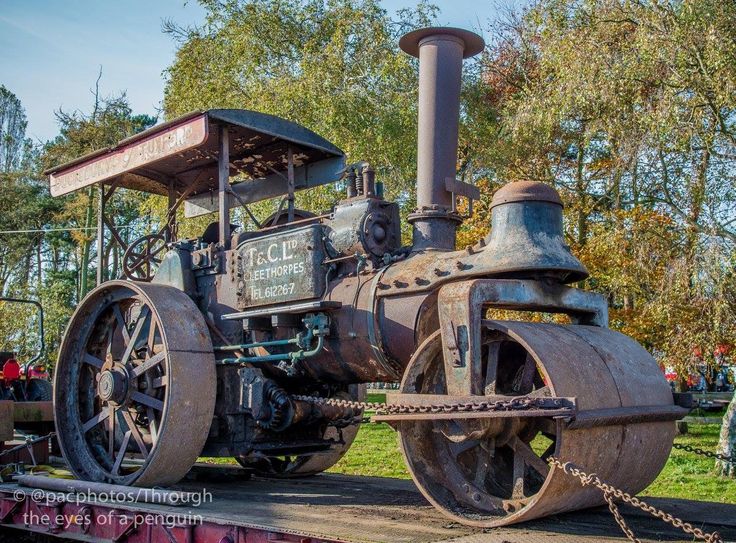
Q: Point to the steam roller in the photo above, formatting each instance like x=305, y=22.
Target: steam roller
x=256, y=341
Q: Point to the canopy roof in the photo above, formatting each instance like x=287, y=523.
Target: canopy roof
x=183, y=154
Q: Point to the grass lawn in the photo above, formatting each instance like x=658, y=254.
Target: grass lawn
x=376, y=452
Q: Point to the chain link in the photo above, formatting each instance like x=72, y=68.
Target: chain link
x=707, y=454
x=611, y=492
x=512, y=404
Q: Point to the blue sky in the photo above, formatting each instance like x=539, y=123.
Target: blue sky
x=52, y=50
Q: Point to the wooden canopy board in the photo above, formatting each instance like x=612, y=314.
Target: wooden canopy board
x=185, y=152
x=339, y=508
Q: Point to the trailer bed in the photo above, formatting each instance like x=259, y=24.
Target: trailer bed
x=330, y=508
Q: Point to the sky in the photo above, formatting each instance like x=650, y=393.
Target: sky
x=51, y=51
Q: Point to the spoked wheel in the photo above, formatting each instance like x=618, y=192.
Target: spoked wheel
x=304, y=465
x=135, y=380
x=494, y=471
x=143, y=257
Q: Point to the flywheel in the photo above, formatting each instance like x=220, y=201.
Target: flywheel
x=494, y=471
x=134, y=386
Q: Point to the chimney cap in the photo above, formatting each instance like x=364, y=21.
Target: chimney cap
x=474, y=44
x=525, y=191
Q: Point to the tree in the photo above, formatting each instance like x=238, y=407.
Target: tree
x=110, y=121
x=14, y=146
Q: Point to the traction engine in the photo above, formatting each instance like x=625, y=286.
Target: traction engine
x=257, y=343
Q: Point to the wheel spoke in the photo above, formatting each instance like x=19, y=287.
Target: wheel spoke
x=147, y=400
x=460, y=447
x=110, y=338
x=152, y=329
x=135, y=433
x=94, y=421
x=144, y=314
x=92, y=360
x=121, y=453
x=525, y=452
x=148, y=364
x=518, y=477
x=527, y=376
x=152, y=425
x=158, y=250
x=111, y=430
x=141, y=257
x=482, y=466
x=494, y=349
x=121, y=323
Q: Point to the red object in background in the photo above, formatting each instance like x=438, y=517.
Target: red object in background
x=669, y=373
x=11, y=370
x=722, y=350
x=37, y=371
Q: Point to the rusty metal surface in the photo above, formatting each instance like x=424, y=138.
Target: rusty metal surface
x=160, y=365
x=462, y=305
x=164, y=143
x=525, y=191
x=473, y=415
x=441, y=52
x=601, y=368
x=626, y=415
x=363, y=225
x=527, y=240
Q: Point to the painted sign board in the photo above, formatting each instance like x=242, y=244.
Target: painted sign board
x=283, y=267
x=157, y=146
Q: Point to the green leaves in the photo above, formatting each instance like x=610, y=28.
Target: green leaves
x=332, y=66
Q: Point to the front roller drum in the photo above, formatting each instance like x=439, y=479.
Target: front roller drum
x=134, y=386
x=493, y=471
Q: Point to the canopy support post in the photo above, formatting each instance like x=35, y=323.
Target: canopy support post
x=290, y=182
x=171, y=219
x=101, y=234
x=223, y=168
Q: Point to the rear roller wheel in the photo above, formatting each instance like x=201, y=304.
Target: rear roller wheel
x=304, y=465
x=493, y=471
x=135, y=380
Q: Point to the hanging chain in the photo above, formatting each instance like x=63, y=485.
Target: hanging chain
x=707, y=454
x=27, y=444
x=522, y=403
x=611, y=492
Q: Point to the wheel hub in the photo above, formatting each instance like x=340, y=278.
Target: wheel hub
x=112, y=386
